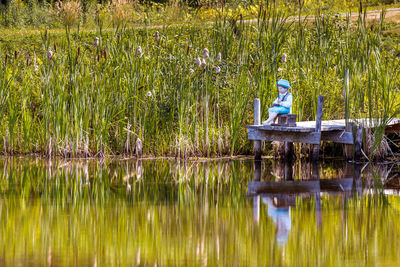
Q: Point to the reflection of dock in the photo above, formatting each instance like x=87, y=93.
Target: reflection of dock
x=275, y=194
x=282, y=194
x=300, y=187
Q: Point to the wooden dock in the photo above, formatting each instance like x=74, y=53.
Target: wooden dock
x=313, y=132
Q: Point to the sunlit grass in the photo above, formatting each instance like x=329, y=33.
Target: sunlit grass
x=94, y=101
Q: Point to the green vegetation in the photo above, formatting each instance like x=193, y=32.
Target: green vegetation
x=62, y=95
x=46, y=14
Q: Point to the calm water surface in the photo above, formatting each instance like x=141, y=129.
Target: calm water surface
x=216, y=213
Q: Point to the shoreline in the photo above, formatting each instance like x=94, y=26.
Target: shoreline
x=387, y=160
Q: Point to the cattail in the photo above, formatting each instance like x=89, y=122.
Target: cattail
x=15, y=54
x=219, y=57
x=77, y=54
x=284, y=58
x=188, y=48
x=198, y=62
x=105, y=54
x=217, y=70
x=55, y=48
x=5, y=60
x=203, y=63
x=148, y=94
x=206, y=53
x=191, y=71
x=96, y=42
x=50, y=54
x=139, y=52
x=157, y=36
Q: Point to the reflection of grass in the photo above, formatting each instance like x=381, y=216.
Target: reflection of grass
x=78, y=213
x=353, y=230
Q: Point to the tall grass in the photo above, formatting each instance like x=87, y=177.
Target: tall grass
x=38, y=13
x=97, y=100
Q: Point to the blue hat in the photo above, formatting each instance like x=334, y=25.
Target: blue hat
x=283, y=83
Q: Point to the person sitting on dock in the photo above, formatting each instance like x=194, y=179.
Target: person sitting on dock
x=282, y=104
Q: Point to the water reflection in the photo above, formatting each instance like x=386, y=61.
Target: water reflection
x=279, y=191
x=279, y=212
x=161, y=212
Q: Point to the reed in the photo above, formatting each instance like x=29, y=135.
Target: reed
x=96, y=100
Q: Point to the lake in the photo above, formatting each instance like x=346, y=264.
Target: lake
x=198, y=213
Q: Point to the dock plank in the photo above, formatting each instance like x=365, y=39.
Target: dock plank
x=327, y=126
x=338, y=137
x=334, y=125
x=281, y=128
x=275, y=135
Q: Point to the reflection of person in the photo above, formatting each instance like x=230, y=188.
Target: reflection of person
x=282, y=104
x=280, y=214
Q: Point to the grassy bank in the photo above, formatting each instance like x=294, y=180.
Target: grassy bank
x=41, y=14
x=82, y=99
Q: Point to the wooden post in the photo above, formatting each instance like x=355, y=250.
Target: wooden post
x=256, y=209
x=288, y=170
x=318, y=209
x=257, y=121
x=288, y=151
x=257, y=198
x=315, y=176
x=257, y=170
x=348, y=149
x=346, y=94
x=357, y=179
x=314, y=171
x=358, y=143
x=318, y=124
x=280, y=150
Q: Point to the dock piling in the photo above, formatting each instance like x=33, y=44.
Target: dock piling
x=358, y=143
x=257, y=121
x=348, y=148
x=289, y=153
x=318, y=124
